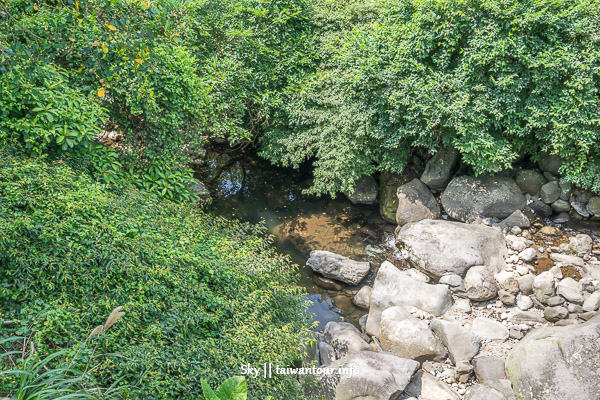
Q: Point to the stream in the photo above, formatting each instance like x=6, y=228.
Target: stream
x=250, y=189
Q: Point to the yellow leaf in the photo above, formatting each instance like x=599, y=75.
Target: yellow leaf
x=111, y=27
x=96, y=44
x=77, y=5
x=139, y=55
x=80, y=20
x=139, y=61
x=80, y=69
x=104, y=48
x=101, y=92
x=145, y=4
x=72, y=39
x=35, y=7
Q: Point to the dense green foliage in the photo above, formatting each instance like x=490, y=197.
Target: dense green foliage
x=494, y=79
x=202, y=295
x=160, y=75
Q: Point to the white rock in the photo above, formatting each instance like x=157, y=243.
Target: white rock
x=488, y=329
x=571, y=290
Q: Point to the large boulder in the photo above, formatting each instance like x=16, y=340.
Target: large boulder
x=332, y=265
x=409, y=337
x=415, y=203
x=393, y=287
x=439, y=247
x=467, y=197
x=344, y=338
x=368, y=375
x=558, y=362
x=461, y=343
x=438, y=169
x=365, y=191
x=550, y=163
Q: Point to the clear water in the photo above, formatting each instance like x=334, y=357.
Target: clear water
x=250, y=189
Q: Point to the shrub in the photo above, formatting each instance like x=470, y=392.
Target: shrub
x=494, y=79
x=202, y=295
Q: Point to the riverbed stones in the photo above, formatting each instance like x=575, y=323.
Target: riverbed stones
x=488, y=368
x=461, y=343
x=489, y=329
x=530, y=181
x=555, y=313
x=517, y=219
x=388, y=186
x=480, y=284
x=345, y=339
x=438, y=170
x=409, y=337
x=550, y=192
x=528, y=255
x=524, y=302
x=581, y=243
x=483, y=392
x=541, y=208
x=543, y=286
x=557, y=363
x=425, y=386
x=363, y=297
x=570, y=290
x=439, y=247
x=415, y=203
x=467, y=197
x=561, y=206
x=593, y=206
x=550, y=163
x=332, y=265
x=394, y=288
x=567, y=259
x=374, y=376
x=507, y=280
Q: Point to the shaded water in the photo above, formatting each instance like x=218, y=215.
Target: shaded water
x=250, y=189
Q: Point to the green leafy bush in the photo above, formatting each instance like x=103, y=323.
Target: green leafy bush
x=203, y=295
x=494, y=79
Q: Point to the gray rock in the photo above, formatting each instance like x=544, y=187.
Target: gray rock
x=550, y=192
x=516, y=243
x=365, y=191
x=463, y=371
x=415, y=203
x=483, y=392
x=507, y=280
x=526, y=283
x=555, y=301
x=581, y=209
x=439, y=247
x=517, y=218
x=515, y=333
x=488, y=329
x=541, y=208
x=461, y=343
x=326, y=353
x=438, y=170
x=467, y=197
x=581, y=243
x=338, y=267
x=345, y=339
x=368, y=375
x=561, y=206
x=409, y=337
x=557, y=363
x=566, y=190
x=592, y=303
x=479, y=283
x=362, y=322
x=488, y=368
x=524, y=302
x=388, y=186
x=561, y=218
x=574, y=308
x=571, y=290
x=593, y=206
x=200, y=189
x=556, y=313
x=530, y=181
x=528, y=255
x=363, y=297
x=426, y=387
x=393, y=288
x=543, y=286
x=451, y=280
x=506, y=298
x=525, y=317
x=567, y=259
x=550, y=163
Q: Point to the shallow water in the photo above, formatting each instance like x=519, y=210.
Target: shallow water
x=250, y=189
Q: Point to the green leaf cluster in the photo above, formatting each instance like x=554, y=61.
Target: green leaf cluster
x=202, y=295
